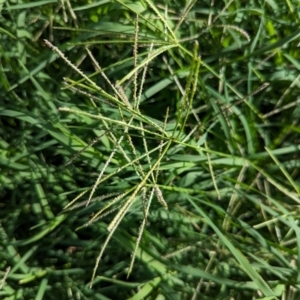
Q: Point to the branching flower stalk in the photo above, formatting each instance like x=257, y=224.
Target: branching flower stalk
x=120, y=99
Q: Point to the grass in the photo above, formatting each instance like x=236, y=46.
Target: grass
x=149, y=150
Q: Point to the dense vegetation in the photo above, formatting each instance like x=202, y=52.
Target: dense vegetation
x=149, y=150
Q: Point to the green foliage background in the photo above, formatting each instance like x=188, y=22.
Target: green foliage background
x=229, y=177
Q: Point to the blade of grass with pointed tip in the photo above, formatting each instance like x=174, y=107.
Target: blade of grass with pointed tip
x=244, y=263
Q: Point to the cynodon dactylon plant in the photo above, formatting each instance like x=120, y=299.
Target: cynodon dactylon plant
x=156, y=137
x=127, y=101
x=175, y=152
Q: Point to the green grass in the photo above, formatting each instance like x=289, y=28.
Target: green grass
x=149, y=150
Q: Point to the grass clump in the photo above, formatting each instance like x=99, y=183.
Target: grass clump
x=167, y=165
